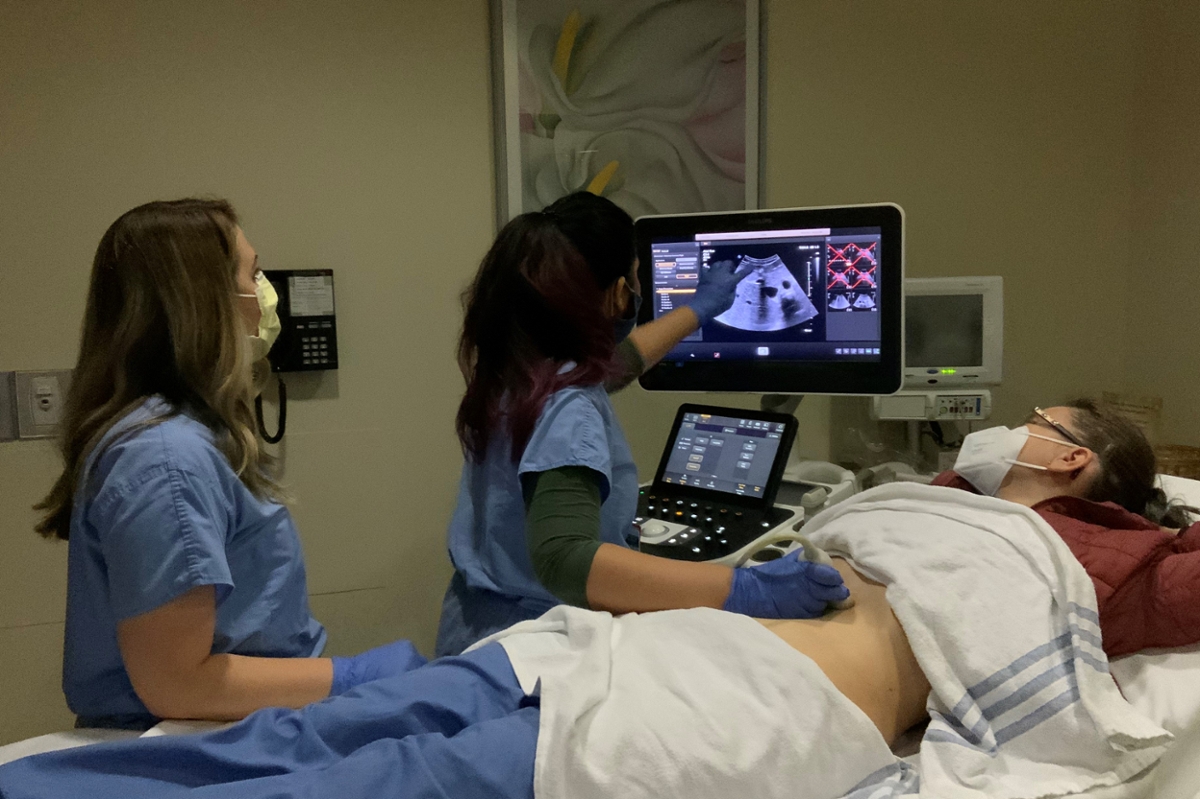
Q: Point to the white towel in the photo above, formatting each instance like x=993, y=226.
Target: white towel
x=1003, y=621
x=699, y=704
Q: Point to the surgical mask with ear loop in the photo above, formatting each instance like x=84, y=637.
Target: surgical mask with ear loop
x=268, y=321
x=269, y=327
x=987, y=457
x=624, y=326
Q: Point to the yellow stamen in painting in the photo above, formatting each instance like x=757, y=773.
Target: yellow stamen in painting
x=566, y=44
x=600, y=182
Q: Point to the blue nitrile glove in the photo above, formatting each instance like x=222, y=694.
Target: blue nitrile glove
x=715, y=292
x=374, y=664
x=786, y=588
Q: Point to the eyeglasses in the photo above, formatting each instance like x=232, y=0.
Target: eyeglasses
x=1064, y=432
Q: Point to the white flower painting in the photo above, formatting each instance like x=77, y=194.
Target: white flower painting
x=641, y=101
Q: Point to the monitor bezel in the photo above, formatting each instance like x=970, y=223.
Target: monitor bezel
x=990, y=372
x=779, y=376
x=767, y=500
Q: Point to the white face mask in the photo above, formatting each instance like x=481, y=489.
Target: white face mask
x=987, y=456
x=268, y=322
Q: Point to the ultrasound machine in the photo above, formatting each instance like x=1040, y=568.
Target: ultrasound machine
x=819, y=311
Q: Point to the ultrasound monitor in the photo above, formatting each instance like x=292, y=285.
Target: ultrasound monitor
x=818, y=312
x=954, y=331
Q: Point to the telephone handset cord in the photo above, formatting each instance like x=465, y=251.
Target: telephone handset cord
x=258, y=411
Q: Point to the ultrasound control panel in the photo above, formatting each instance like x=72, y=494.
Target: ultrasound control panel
x=701, y=530
x=714, y=492
x=729, y=454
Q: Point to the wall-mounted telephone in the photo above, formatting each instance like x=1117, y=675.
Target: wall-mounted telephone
x=308, y=340
x=308, y=336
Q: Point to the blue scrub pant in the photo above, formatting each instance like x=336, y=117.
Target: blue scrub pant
x=458, y=728
x=472, y=614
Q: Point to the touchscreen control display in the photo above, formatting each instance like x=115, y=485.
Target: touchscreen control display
x=724, y=453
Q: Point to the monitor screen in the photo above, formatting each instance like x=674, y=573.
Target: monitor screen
x=723, y=453
x=953, y=331
x=816, y=311
x=944, y=330
x=806, y=295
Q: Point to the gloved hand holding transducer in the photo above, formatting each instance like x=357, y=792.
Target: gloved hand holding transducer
x=787, y=588
x=716, y=290
x=388, y=660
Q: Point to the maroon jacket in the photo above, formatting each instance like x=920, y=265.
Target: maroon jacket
x=1147, y=579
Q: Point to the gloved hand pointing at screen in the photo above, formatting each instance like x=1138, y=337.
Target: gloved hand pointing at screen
x=714, y=295
x=787, y=588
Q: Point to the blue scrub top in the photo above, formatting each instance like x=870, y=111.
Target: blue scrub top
x=495, y=585
x=160, y=513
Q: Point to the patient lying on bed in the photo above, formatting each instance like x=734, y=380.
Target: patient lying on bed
x=1091, y=475
x=1094, y=484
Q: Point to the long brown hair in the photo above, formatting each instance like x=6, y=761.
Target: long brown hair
x=161, y=320
x=535, y=304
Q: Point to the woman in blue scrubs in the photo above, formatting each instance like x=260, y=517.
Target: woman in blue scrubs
x=549, y=488
x=186, y=593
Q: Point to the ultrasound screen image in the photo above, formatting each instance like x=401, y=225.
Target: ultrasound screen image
x=768, y=298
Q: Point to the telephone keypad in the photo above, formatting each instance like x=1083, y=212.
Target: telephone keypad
x=314, y=343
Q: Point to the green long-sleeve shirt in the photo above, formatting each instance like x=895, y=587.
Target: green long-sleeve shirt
x=562, y=511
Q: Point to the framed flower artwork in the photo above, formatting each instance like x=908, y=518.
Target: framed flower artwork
x=651, y=103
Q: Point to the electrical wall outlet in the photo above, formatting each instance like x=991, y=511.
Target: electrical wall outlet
x=37, y=399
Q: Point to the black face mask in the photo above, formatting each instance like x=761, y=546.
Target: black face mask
x=624, y=326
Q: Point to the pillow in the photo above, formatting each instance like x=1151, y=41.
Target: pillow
x=1162, y=684
x=1181, y=489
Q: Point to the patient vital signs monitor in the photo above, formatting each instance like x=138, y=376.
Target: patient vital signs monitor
x=818, y=310
x=953, y=331
x=954, y=347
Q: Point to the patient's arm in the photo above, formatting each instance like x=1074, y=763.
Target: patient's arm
x=865, y=653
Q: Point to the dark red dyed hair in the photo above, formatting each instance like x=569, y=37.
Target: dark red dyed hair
x=536, y=303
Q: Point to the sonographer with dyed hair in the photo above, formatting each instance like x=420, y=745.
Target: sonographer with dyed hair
x=549, y=487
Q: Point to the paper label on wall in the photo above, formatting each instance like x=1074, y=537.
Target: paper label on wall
x=311, y=295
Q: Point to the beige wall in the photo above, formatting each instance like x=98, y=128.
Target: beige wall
x=1163, y=275
x=1001, y=129
x=349, y=135
x=356, y=136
